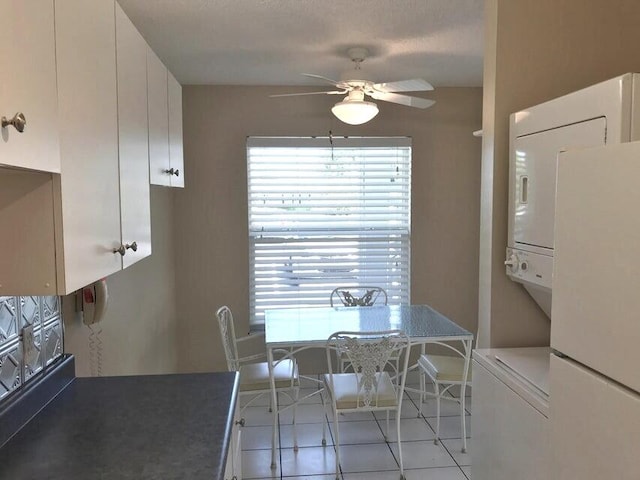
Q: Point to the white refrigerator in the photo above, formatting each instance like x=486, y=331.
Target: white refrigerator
x=595, y=332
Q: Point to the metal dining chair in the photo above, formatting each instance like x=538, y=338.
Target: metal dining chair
x=369, y=388
x=254, y=374
x=446, y=371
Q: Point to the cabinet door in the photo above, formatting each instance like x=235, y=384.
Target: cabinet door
x=158, y=107
x=88, y=223
x=175, y=131
x=28, y=84
x=133, y=130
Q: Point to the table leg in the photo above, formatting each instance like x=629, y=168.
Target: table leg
x=274, y=408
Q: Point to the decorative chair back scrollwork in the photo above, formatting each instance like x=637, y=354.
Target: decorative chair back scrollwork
x=370, y=387
x=358, y=296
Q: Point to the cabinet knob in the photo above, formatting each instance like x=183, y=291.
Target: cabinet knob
x=18, y=121
x=133, y=246
x=173, y=171
x=240, y=422
x=121, y=250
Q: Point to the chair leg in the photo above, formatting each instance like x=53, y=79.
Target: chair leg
x=296, y=393
x=386, y=430
x=337, y=429
x=399, y=444
x=423, y=386
x=436, y=387
x=464, y=426
x=324, y=423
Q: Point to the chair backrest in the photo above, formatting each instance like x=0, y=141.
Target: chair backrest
x=228, y=336
x=358, y=296
x=369, y=353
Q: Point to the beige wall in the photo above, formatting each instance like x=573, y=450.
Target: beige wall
x=535, y=51
x=139, y=329
x=211, y=212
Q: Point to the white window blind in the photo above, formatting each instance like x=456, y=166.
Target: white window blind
x=325, y=213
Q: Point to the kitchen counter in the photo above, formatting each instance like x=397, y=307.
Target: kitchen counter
x=139, y=427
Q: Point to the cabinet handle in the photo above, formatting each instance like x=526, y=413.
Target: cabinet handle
x=18, y=121
x=121, y=250
x=172, y=171
x=240, y=422
x=133, y=246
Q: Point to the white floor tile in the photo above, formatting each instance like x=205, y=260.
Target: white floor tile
x=467, y=472
x=408, y=410
x=367, y=458
x=411, y=429
x=256, y=438
x=311, y=477
x=309, y=435
x=441, y=473
x=305, y=413
x=257, y=464
x=424, y=454
x=358, y=432
x=448, y=408
x=450, y=426
x=308, y=461
x=444, y=473
x=454, y=446
x=257, y=416
x=352, y=416
x=256, y=401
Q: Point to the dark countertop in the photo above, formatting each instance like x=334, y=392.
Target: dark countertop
x=140, y=427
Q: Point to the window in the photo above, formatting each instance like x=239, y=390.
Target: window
x=325, y=213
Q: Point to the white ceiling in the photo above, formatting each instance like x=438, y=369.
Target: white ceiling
x=270, y=42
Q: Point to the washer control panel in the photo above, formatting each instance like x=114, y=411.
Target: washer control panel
x=527, y=267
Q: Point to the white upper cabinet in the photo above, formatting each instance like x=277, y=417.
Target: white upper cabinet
x=28, y=85
x=175, y=132
x=88, y=187
x=133, y=127
x=158, y=106
x=165, y=125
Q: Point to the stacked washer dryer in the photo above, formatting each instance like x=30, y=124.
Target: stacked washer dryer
x=511, y=431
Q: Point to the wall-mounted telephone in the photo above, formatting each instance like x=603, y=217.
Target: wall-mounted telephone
x=94, y=300
x=91, y=304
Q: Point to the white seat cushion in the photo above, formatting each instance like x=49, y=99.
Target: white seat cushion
x=346, y=391
x=255, y=376
x=444, y=368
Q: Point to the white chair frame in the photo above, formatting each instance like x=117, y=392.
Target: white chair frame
x=369, y=353
x=235, y=363
x=424, y=367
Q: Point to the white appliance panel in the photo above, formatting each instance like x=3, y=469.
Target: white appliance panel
x=534, y=178
x=596, y=296
x=510, y=433
x=595, y=425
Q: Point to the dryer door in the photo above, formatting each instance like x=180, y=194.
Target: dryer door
x=533, y=179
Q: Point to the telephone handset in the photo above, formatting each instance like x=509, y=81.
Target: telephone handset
x=95, y=298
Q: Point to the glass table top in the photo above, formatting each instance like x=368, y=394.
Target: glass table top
x=305, y=326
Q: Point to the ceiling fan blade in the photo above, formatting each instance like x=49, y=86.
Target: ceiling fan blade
x=414, y=85
x=403, y=99
x=334, y=92
x=312, y=75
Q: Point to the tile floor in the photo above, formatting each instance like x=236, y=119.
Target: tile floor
x=365, y=454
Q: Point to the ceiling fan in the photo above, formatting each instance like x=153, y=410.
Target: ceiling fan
x=354, y=109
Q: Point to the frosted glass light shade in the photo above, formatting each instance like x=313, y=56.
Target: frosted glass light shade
x=355, y=112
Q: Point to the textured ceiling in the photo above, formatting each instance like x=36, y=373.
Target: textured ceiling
x=270, y=42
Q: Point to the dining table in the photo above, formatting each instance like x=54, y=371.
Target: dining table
x=300, y=328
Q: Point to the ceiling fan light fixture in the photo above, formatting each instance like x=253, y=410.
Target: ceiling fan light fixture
x=355, y=112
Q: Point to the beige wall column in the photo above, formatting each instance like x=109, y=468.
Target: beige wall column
x=535, y=51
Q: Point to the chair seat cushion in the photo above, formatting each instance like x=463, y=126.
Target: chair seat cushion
x=444, y=368
x=345, y=391
x=255, y=376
